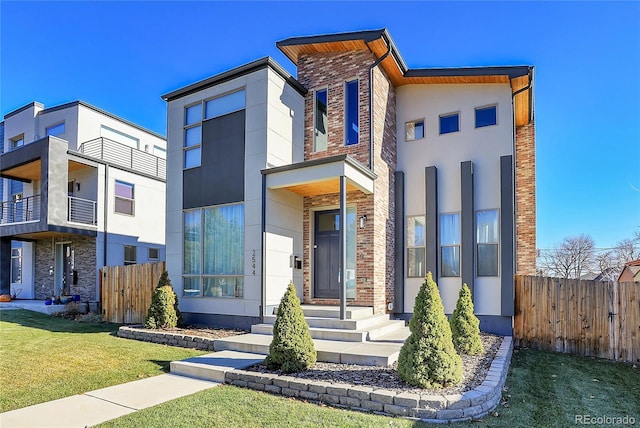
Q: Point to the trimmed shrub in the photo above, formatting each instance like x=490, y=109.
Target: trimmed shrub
x=291, y=349
x=465, y=326
x=163, y=312
x=427, y=358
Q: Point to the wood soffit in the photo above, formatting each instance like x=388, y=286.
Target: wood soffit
x=398, y=75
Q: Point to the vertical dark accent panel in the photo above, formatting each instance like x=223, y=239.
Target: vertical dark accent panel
x=467, y=227
x=507, y=271
x=399, y=245
x=220, y=178
x=5, y=266
x=343, y=247
x=431, y=220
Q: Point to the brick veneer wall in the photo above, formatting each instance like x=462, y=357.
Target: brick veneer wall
x=375, y=243
x=526, y=200
x=85, y=263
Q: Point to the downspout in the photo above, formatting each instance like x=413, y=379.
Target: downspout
x=106, y=213
x=263, y=294
x=371, y=67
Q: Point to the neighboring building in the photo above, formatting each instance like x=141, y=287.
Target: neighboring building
x=631, y=272
x=80, y=189
x=266, y=171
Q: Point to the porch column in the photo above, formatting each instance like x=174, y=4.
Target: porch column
x=5, y=266
x=342, y=271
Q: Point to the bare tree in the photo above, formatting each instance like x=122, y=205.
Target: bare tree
x=571, y=258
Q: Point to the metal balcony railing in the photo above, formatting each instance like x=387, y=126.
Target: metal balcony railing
x=20, y=210
x=122, y=155
x=81, y=210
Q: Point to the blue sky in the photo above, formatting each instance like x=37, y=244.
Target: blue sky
x=121, y=56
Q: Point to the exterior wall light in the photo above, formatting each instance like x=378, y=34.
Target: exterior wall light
x=362, y=221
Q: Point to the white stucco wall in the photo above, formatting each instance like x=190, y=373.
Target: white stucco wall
x=482, y=146
x=24, y=122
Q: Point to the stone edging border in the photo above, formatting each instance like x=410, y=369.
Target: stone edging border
x=473, y=404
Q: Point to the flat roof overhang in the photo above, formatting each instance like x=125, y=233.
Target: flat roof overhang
x=321, y=176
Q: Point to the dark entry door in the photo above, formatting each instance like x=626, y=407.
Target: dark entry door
x=327, y=255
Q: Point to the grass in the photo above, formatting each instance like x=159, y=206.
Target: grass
x=43, y=358
x=543, y=389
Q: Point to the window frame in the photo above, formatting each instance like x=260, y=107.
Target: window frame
x=485, y=107
x=447, y=115
x=186, y=126
x=13, y=142
x=135, y=254
x=420, y=273
x=48, y=129
x=443, y=246
x=414, y=122
x=201, y=277
x=324, y=89
x=124, y=198
x=347, y=99
x=492, y=243
x=157, y=256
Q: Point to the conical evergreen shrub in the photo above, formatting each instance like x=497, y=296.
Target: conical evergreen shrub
x=427, y=358
x=465, y=326
x=291, y=349
x=163, y=312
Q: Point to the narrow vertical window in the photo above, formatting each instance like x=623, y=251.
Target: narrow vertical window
x=450, y=244
x=192, y=136
x=487, y=239
x=16, y=265
x=416, y=238
x=321, y=131
x=351, y=102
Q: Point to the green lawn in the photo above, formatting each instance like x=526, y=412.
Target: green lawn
x=43, y=358
x=543, y=389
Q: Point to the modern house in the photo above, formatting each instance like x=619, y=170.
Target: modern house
x=80, y=189
x=353, y=179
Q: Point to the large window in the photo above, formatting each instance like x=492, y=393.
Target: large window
x=16, y=265
x=213, y=264
x=207, y=109
x=351, y=123
x=449, y=123
x=416, y=237
x=124, y=203
x=130, y=255
x=320, y=113
x=450, y=244
x=487, y=238
x=486, y=116
x=414, y=130
x=56, y=130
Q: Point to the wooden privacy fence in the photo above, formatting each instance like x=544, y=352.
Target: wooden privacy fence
x=591, y=318
x=127, y=290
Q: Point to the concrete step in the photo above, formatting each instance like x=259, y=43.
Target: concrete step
x=332, y=351
x=213, y=366
x=322, y=311
x=383, y=327
x=337, y=323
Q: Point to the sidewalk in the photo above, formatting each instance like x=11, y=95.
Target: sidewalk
x=98, y=406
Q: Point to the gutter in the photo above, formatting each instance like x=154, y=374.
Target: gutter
x=371, y=127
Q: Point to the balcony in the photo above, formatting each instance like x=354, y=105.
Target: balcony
x=82, y=211
x=22, y=210
x=122, y=155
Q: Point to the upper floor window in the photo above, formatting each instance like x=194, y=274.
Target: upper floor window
x=351, y=110
x=56, y=130
x=225, y=104
x=16, y=142
x=321, y=130
x=487, y=239
x=450, y=244
x=414, y=130
x=486, y=116
x=416, y=238
x=119, y=137
x=449, y=123
x=124, y=202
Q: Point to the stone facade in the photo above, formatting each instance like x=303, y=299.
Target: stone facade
x=85, y=264
x=525, y=200
x=375, y=243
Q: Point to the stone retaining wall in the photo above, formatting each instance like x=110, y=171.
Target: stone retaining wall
x=473, y=404
x=166, y=338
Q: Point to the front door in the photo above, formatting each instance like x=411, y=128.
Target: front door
x=326, y=255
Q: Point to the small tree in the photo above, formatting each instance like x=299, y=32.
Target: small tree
x=163, y=312
x=291, y=349
x=427, y=358
x=465, y=326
